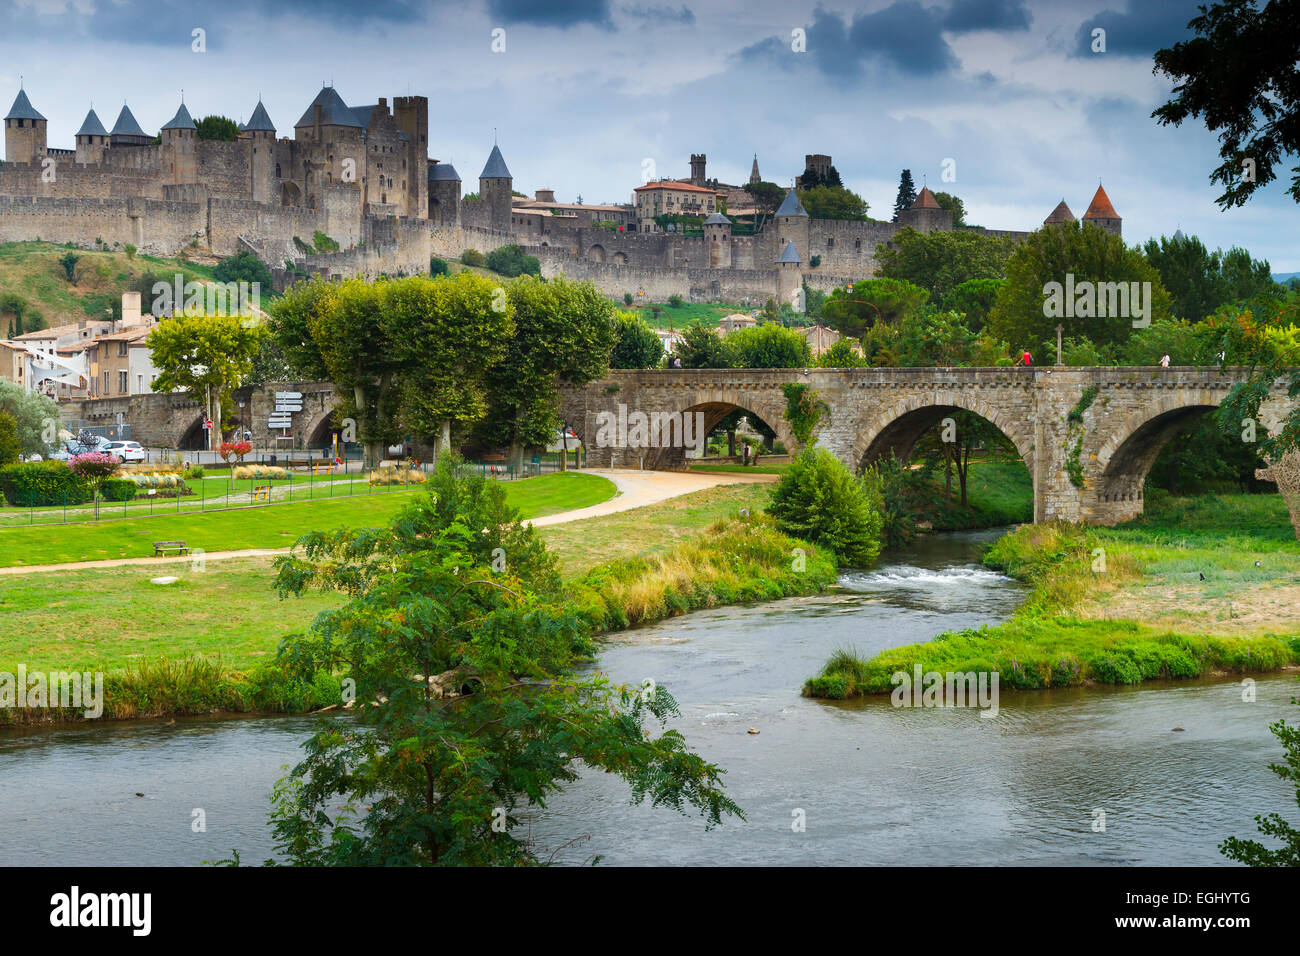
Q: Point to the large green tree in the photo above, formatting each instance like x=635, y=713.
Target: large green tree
x=767, y=199
x=36, y=418
x=1046, y=260
x=635, y=344
x=700, y=347
x=852, y=311
x=974, y=299
x=221, y=128
x=941, y=261
x=906, y=193
x=1238, y=75
x=766, y=346
x=564, y=334
x=205, y=355
x=833, y=202
x=470, y=707
x=1200, y=281
x=954, y=205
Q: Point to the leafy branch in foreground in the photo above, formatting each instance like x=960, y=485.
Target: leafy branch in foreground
x=1252, y=852
x=468, y=710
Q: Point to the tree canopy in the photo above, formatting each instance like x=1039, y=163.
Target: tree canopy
x=635, y=344
x=1200, y=281
x=852, y=311
x=940, y=261
x=833, y=202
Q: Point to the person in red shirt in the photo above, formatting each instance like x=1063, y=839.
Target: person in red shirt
x=1027, y=359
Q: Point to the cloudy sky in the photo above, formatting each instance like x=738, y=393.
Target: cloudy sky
x=586, y=91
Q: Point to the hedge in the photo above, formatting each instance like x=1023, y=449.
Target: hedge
x=42, y=484
x=117, y=489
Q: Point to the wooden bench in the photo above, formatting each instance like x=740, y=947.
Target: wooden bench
x=161, y=548
x=262, y=493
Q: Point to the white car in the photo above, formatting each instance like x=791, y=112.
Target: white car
x=559, y=443
x=130, y=452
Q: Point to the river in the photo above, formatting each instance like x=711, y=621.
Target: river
x=822, y=782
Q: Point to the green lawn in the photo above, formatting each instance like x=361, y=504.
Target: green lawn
x=760, y=469
x=274, y=526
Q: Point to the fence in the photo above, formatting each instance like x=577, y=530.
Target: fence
x=319, y=480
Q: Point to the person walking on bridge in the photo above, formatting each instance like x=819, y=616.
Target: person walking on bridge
x=1026, y=359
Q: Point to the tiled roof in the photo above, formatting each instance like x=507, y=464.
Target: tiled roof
x=676, y=186
x=789, y=254
x=717, y=219
x=259, y=122
x=1100, y=207
x=23, y=109
x=925, y=200
x=791, y=206
x=91, y=126
x=182, y=120
x=1060, y=214
x=495, y=167
x=443, y=172
x=333, y=111
x=126, y=124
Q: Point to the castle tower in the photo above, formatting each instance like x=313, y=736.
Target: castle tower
x=92, y=139
x=717, y=233
x=411, y=113
x=444, y=193
x=24, y=132
x=178, y=139
x=791, y=223
x=789, y=278
x=925, y=214
x=1102, y=214
x=754, y=177
x=261, y=131
x=494, y=187
x=1061, y=214
x=697, y=169
x=339, y=155
x=127, y=132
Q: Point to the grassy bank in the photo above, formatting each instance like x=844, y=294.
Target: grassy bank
x=1194, y=587
x=266, y=526
x=206, y=644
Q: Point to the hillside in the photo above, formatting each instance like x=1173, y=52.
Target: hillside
x=32, y=271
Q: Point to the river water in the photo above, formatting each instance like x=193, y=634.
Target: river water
x=822, y=782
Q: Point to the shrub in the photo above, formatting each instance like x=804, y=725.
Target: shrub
x=258, y=471
x=118, y=489
x=675, y=301
x=819, y=500
x=243, y=267
x=194, y=471
x=11, y=446
x=438, y=267
x=397, y=476
x=43, y=484
x=472, y=257
x=512, y=261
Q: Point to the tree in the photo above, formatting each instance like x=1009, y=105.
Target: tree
x=819, y=500
x=445, y=334
x=1252, y=852
x=700, y=347
x=564, y=334
x=470, y=705
x=974, y=299
x=954, y=205
x=13, y=304
x=36, y=418
x=841, y=354
x=1238, y=75
x=811, y=178
x=512, y=261
x=243, y=267
x=635, y=343
x=93, y=467
x=11, y=448
x=852, y=311
x=954, y=443
x=766, y=346
x=833, y=202
x=767, y=199
x=940, y=261
x=438, y=267
x=906, y=193
x=1200, y=281
x=205, y=355
x=218, y=128
x=69, y=263
x=1023, y=315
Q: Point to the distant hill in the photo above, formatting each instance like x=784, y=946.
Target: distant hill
x=32, y=270
x=1285, y=276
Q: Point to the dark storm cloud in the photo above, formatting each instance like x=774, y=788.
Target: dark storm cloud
x=552, y=13
x=682, y=14
x=904, y=35
x=1141, y=30
x=968, y=15
x=172, y=22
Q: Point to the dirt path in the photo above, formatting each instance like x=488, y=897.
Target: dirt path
x=636, y=489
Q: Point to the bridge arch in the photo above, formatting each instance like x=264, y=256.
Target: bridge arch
x=897, y=427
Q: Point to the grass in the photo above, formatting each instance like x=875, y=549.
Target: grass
x=777, y=469
x=274, y=526
x=32, y=270
x=1176, y=593
x=688, y=313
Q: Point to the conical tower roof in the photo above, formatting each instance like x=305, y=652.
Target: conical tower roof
x=91, y=126
x=126, y=124
x=791, y=206
x=754, y=177
x=495, y=167
x=443, y=172
x=1100, y=207
x=23, y=109
x=333, y=111
x=925, y=200
x=790, y=253
x=259, y=122
x=181, y=120
x=1059, y=215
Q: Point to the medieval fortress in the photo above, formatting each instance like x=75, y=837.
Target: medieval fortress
x=362, y=176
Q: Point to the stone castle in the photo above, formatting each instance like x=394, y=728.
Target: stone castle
x=363, y=177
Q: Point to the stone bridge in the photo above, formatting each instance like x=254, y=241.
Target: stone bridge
x=174, y=420
x=1133, y=412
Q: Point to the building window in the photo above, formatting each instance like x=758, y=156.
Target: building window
x=121, y=348
x=105, y=381
x=830, y=243
x=121, y=383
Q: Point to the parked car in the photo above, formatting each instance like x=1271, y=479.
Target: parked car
x=559, y=442
x=127, y=451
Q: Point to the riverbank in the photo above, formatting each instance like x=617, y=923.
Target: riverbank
x=1195, y=587
x=208, y=647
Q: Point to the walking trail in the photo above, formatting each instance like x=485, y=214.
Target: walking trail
x=636, y=489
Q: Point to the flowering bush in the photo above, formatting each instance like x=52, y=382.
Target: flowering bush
x=234, y=449
x=93, y=466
